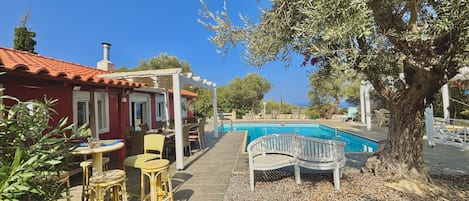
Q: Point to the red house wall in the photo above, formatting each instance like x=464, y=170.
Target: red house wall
x=26, y=88
x=114, y=120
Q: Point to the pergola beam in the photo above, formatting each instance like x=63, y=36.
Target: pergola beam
x=199, y=83
x=178, y=80
x=143, y=73
x=178, y=122
x=365, y=106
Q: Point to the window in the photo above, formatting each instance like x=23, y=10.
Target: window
x=102, y=110
x=160, y=108
x=81, y=109
x=82, y=113
x=139, y=113
x=140, y=109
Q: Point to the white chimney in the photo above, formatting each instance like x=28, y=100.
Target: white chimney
x=105, y=64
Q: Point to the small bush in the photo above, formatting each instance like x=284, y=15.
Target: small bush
x=31, y=150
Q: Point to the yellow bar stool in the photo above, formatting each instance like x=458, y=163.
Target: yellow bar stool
x=62, y=178
x=86, y=165
x=160, y=181
x=103, y=182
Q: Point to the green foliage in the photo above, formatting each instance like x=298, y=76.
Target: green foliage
x=245, y=94
x=464, y=114
x=224, y=103
x=324, y=110
x=406, y=49
x=162, y=61
x=456, y=109
x=202, y=105
x=378, y=38
x=242, y=94
x=282, y=107
x=24, y=40
x=269, y=106
x=286, y=108
x=330, y=85
x=24, y=37
x=31, y=150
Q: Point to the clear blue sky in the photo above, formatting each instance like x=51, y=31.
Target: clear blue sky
x=73, y=31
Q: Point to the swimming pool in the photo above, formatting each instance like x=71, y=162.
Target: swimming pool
x=353, y=143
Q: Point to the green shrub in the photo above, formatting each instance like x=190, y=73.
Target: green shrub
x=30, y=150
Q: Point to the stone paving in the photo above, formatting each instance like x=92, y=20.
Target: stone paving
x=207, y=177
x=207, y=172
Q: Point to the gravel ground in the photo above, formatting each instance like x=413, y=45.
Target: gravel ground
x=278, y=185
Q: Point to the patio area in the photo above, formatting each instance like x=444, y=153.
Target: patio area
x=206, y=175
x=208, y=172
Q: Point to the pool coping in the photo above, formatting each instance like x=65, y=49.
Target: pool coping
x=244, y=143
x=352, y=133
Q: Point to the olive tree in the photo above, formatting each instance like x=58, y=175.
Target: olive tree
x=202, y=105
x=329, y=86
x=162, y=61
x=407, y=49
x=241, y=94
x=246, y=93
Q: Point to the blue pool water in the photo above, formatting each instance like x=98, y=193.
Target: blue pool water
x=353, y=143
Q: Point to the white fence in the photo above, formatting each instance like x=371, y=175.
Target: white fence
x=443, y=134
x=455, y=137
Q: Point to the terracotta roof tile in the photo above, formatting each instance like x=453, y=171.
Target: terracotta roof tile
x=185, y=93
x=36, y=64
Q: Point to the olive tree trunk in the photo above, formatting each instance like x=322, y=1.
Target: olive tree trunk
x=400, y=156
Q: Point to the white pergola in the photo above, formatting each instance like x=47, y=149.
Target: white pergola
x=164, y=79
x=365, y=105
x=366, y=86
